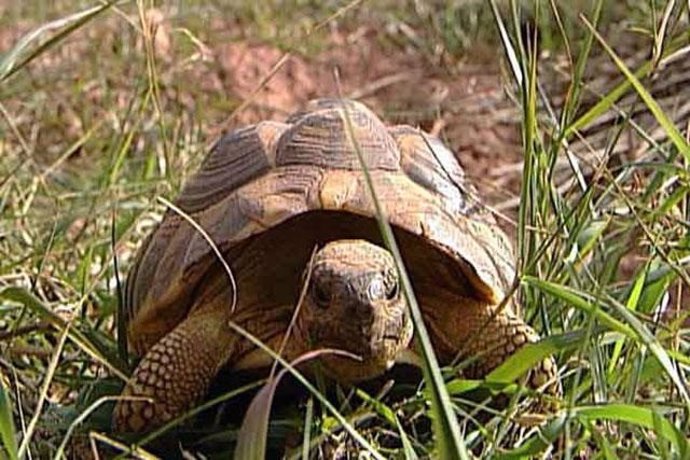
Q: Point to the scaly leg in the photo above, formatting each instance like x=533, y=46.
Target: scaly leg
x=476, y=329
x=176, y=372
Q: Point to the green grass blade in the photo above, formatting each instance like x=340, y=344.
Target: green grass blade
x=662, y=356
x=308, y=385
x=43, y=395
x=666, y=123
x=531, y=354
x=631, y=303
x=308, y=422
x=579, y=70
x=634, y=329
x=251, y=440
x=7, y=429
x=577, y=300
x=446, y=428
x=9, y=64
x=613, y=95
x=24, y=297
x=640, y=416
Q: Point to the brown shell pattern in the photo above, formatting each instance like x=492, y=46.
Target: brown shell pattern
x=260, y=176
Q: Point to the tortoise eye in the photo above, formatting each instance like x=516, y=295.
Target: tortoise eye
x=321, y=295
x=377, y=289
x=392, y=291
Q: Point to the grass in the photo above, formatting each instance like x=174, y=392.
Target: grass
x=99, y=117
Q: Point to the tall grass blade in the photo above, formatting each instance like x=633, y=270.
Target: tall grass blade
x=577, y=300
x=659, y=352
x=446, y=428
x=314, y=391
x=9, y=64
x=640, y=416
x=308, y=423
x=665, y=122
x=43, y=395
x=634, y=329
x=631, y=303
x=511, y=55
x=251, y=440
x=8, y=432
x=90, y=347
x=530, y=355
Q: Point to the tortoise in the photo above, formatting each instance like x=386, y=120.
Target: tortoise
x=289, y=208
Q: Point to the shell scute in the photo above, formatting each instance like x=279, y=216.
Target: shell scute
x=257, y=178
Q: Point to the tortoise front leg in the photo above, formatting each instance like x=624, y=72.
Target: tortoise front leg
x=176, y=372
x=474, y=329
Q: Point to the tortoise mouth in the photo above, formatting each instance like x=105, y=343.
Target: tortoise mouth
x=345, y=369
x=378, y=352
x=376, y=346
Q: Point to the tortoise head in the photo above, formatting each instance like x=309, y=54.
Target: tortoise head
x=354, y=304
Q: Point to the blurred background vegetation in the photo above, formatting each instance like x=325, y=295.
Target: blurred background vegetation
x=105, y=106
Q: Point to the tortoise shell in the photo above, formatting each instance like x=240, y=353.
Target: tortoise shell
x=306, y=175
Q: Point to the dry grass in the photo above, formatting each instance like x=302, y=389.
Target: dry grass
x=101, y=114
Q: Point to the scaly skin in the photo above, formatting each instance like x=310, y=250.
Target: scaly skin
x=353, y=304
x=175, y=372
x=475, y=329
